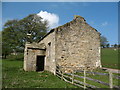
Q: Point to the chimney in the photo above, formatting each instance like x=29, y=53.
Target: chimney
x=79, y=17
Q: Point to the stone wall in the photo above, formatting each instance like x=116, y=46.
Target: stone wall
x=45, y=47
x=50, y=63
x=77, y=45
x=30, y=55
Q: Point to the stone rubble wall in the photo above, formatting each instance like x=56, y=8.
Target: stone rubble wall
x=30, y=55
x=75, y=44
x=50, y=63
x=78, y=45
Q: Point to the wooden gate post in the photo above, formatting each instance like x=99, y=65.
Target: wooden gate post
x=84, y=79
x=73, y=77
x=110, y=79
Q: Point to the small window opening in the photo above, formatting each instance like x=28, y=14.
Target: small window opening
x=49, y=43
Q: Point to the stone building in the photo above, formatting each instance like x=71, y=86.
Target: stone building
x=75, y=45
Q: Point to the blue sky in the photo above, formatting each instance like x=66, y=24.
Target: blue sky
x=103, y=16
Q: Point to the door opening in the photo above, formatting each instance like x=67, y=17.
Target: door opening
x=40, y=63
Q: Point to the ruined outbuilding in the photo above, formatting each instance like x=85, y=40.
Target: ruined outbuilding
x=75, y=45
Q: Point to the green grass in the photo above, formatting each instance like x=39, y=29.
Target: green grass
x=103, y=78
x=109, y=58
x=15, y=77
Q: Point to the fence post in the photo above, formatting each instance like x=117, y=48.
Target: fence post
x=62, y=75
x=84, y=79
x=72, y=77
x=110, y=79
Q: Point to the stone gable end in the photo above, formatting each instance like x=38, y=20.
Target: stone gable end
x=73, y=45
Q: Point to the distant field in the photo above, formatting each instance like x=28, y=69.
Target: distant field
x=109, y=58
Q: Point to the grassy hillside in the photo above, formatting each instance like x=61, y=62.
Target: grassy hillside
x=109, y=58
x=15, y=77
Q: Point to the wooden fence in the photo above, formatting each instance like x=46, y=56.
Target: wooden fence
x=70, y=78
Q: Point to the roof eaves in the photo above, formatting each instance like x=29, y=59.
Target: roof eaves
x=52, y=30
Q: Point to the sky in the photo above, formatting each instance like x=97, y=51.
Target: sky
x=102, y=16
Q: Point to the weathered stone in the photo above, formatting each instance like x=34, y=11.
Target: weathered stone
x=75, y=44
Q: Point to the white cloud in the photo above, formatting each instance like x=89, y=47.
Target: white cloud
x=53, y=19
x=104, y=24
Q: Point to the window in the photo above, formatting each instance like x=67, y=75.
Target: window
x=49, y=50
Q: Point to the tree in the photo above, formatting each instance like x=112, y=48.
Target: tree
x=9, y=37
x=33, y=25
x=118, y=45
x=104, y=41
x=0, y=43
x=15, y=33
x=115, y=45
x=108, y=45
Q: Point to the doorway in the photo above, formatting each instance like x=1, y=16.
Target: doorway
x=40, y=63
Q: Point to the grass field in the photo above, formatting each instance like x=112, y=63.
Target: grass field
x=109, y=58
x=15, y=77
x=103, y=78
